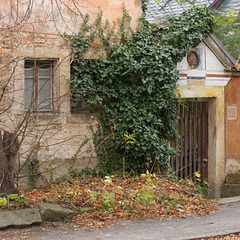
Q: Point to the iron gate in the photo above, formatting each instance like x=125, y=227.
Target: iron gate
x=192, y=142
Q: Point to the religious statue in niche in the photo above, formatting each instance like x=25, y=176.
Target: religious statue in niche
x=193, y=60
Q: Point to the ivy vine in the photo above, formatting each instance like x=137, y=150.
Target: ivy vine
x=132, y=84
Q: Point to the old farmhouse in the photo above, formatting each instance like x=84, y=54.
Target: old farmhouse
x=35, y=61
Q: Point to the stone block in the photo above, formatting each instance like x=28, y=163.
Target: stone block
x=232, y=166
x=196, y=83
x=85, y=210
x=79, y=118
x=19, y=218
x=233, y=178
x=52, y=212
x=230, y=190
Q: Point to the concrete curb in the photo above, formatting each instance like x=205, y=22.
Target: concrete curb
x=229, y=199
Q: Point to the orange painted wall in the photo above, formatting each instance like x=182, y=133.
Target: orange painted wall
x=232, y=95
x=59, y=16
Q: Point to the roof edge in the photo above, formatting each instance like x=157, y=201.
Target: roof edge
x=216, y=46
x=222, y=47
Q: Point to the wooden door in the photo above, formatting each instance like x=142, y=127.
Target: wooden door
x=192, y=142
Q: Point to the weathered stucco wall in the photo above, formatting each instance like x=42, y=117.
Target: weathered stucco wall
x=34, y=32
x=54, y=17
x=57, y=134
x=233, y=124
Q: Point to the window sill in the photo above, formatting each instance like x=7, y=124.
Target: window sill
x=78, y=118
x=45, y=117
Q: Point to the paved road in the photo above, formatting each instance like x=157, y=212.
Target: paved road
x=225, y=220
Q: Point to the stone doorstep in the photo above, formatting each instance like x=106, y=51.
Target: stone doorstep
x=32, y=216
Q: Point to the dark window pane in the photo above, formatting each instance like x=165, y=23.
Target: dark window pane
x=38, y=77
x=44, y=69
x=29, y=69
x=44, y=93
x=28, y=93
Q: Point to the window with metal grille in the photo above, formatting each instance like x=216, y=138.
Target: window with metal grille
x=38, y=81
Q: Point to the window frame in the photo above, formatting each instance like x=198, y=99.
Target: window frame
x=34, y=104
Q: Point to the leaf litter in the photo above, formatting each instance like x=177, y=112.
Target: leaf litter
x=113, y=198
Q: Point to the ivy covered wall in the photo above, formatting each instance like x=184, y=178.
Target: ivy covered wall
x=132, y=85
